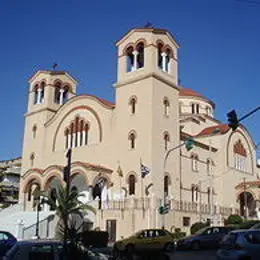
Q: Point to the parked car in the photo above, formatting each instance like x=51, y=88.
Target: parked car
x=255, y=226
x=44, y=250
x=240, y=244
x=208, y=237
x=7, y=240
x=148, y=239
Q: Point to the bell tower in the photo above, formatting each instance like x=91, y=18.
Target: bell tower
x=48, y=91
x=147, y=97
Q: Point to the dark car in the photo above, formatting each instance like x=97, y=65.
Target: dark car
x=45, y=250
x=208, y=237
x=240, y=244
x=7, y=240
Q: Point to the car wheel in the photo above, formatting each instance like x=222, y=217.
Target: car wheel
x=169, y=247
x=195, y=245
x=129, y=249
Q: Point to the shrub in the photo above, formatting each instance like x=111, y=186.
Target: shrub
x=248, y=224
x=197, y=226
x=234, y=219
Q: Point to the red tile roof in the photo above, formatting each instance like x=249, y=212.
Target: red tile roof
x=187, y=92
x=220, y=129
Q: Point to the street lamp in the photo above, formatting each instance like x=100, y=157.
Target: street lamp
x=39, y=201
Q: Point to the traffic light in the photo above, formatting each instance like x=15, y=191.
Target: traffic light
x=233, y=121
x=189, y=143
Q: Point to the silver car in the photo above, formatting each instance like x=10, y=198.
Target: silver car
x=240, y=245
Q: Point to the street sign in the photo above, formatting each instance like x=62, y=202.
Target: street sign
x=164, y=209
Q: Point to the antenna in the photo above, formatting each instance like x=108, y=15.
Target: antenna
x=54, y=65
x=148, y=25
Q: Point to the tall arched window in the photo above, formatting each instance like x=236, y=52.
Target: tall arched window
x=194, y=162
x=132, y=104
x=208, y=193
x=168, y=60
x=65, y=94
x=130, y=59
x=240, y=156
x=67, y=138
x=57, y=92
x=35, y=91
x=192, y=193
x=166, y=185
x=196, y=193
x=42, y=92
x=32, y=158
x=160, y=60
x=193, y=108
x=132, y=139
x=140, y=55
x=166, y=105
x=197, y=108
x=132, y=181
x=166, y=138
x=34, y=129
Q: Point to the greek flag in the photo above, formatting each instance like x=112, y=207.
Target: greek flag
x=144, y=170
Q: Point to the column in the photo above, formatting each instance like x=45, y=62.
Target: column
x=61, y=96
x=135, y=53
x=39, y=91
x=163, y=61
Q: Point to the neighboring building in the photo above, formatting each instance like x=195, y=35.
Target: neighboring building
x=10, y=171
x=152, y=113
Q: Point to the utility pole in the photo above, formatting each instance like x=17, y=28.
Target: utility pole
x=245, y=199
x=211, y=186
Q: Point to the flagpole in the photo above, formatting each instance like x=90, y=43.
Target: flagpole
x=142, y=191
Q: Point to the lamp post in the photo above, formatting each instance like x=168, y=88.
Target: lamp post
x=188, y=143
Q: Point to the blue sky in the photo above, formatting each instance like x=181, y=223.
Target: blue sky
x=219, y=55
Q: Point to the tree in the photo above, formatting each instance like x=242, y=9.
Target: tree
x=68, y=207
x=197, y=226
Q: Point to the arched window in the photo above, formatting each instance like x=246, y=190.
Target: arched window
x=32, y=158
x=166, y=185
x=166, y=105
x=208, y=192
x=166, y=138
x=57, y=93
x=160, y=59
x=132, y=181
x=34, y=129
x=168, y=60
x=193, y=108
x=208, y=110
x=132, y=104
x=196, y=193
x=240, y=156
x=42, y=92
x=65, y=94
x=192, y=193
x=130, y=59
x=86, y=133
x=197, y=108
x=194, y=162
x=35, y=91
x=208, y=166
x=67, y=138
x=132, y=138
x=140, y=55
x=53, y=195
x=76, y=131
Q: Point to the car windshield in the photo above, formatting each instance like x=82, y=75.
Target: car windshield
x=201, y=231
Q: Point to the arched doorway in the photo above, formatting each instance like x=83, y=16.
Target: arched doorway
x=52, y=187
x=79, y=184
x=247, y=204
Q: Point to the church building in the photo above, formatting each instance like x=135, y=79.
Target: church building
x=129, y=156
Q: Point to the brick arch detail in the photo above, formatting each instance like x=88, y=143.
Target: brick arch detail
x=128, y=175
x=84, y=107
x=248, y=146
x=76, y=172
x=254, y=195
x=32, y=179
x=102, y=175
x=49, y=178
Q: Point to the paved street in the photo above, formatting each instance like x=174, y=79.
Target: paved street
x=178, y=255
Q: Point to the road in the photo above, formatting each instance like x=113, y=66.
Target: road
x=178, y=255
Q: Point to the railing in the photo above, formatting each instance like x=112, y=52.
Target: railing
x=174, y=205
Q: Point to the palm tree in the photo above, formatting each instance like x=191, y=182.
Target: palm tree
x=67, y=208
